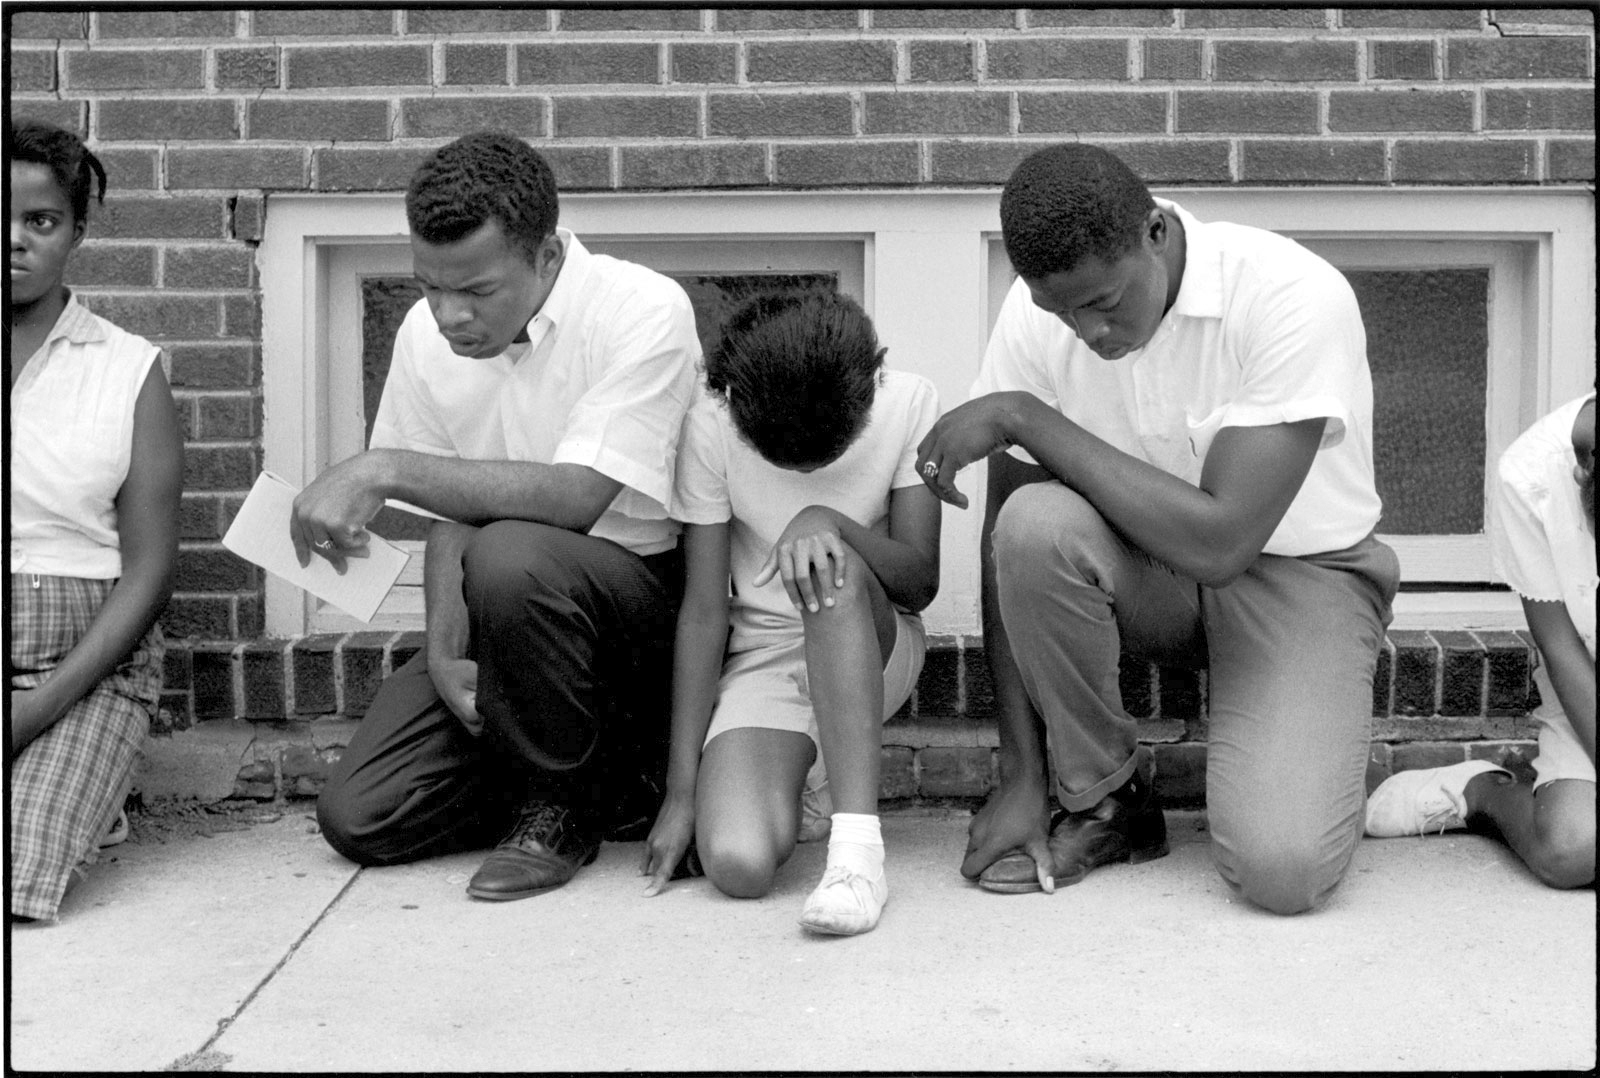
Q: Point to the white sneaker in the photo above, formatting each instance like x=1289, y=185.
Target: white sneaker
x=845, y=903
x=816, y=814
x=1417, y=802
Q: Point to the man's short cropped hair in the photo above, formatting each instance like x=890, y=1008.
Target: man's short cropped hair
x=799, y=369
x=487, y=175
x=1066, y=202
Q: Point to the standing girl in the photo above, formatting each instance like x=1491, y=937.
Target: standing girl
x=96, y=475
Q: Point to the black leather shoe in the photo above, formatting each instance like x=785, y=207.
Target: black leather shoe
x=1126, y=826
x=545, y=849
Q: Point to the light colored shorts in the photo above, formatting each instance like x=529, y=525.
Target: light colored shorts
x=1561, y=756
x=767, y=687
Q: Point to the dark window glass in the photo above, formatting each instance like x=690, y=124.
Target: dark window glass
x=1428, y=345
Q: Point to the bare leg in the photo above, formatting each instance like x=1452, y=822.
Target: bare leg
x=1551, y=830
x=847, y=645
x=747, y=806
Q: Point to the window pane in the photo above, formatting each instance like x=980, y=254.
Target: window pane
x=1427, y=343
x=385, y=301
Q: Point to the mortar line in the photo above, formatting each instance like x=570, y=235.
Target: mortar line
x=223, y=1024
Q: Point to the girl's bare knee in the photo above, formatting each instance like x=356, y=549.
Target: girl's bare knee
x=739, y=869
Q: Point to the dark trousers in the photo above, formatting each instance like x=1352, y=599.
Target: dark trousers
x=573, y=640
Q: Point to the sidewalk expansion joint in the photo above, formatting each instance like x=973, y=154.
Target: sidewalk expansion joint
x=204, y=1057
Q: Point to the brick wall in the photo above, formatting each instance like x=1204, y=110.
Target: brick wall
x=201, y=115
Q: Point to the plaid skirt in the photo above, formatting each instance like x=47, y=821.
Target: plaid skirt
x=68, y=784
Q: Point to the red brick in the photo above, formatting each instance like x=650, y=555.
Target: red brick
x=1074, y=111
x=202, y=617
x=820, y=61
x=143, y=217
x=773, y=114
x=1517, y=58
x=241, y=315
x=1420, y=18
x=165, y=24
x=264, y=664
x=581, y=63
x=247, y=69
x=135, y=69
x=447, y=20
x=1057, y=58
x=159, y=317
x=1416, y=672
x=1510, y=20
x=1462, y=673
x=213, y=680
x=325, y=22
x=209, y=267
x=897, y=775
x=187, y=423
x=757, y=19
x=128, y=169
x=1176, y=162
x=312, y=662
x=955, y=18
x=33, y=69
x=955, y=770
x=1277, y=112
x=1569, y=160
x=1464, y=161
x=266, y=168
x=249, y=618
x=228, y=506
x=579, y=167
x=1172, y=60
x=246, y=216
x=448, y=117
x=1401, y=59
x=356, y=65
x=167, y=118
x=1400, y=110
x=1180, y=780
x=37, y=25
x=476, y=65
x=1383, y=680
x=213, y=569
x=702, y=62
x=1284, y=61
x=219, y=467
x=355, y=169
x=361, y=662
x=933, y=112
x=102, y=265
x=220, y=365
x=833, y=164
x=67, y=115
x=737, y=165
x=319, y=120
x=940, y=61
x=197, y=518
x=1161, y=18
x=938, y=689
x=599, y=20
x=1210, y=18
x=988, y=161
x=653, y=116
x=1312, y=161
x=1518, y=109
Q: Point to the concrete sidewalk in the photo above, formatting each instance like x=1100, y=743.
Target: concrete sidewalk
x=262, y=950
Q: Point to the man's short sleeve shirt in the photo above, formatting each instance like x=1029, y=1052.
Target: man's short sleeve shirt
x=1262, y=332
x=604, y=381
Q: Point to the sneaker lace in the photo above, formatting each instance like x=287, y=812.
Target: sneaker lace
x=1437, y=812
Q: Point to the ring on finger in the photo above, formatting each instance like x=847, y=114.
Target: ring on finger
x=930, y=469
x=326, y=544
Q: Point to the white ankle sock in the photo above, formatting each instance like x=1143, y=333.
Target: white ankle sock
x=856, y=842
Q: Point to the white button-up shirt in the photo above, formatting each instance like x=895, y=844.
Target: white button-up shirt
x=604, y=381
x=1261, y=332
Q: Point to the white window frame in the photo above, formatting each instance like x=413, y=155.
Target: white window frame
x=927, y=278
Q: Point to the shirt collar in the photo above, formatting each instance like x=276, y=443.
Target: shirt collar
x=565, y=292
x=77, y=324
x=1200, y=294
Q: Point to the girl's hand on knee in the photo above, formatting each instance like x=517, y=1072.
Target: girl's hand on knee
x=809, y=557
x=668, y=840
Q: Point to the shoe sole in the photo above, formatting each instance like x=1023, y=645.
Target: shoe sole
x=512, y=896
x=1030, y=886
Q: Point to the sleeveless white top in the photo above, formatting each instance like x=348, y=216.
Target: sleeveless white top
x=71, y=444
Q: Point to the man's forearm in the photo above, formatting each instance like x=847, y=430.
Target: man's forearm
x=449, y=632
x=570, y=496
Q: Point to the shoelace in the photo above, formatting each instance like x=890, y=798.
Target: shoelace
x=1438, y=812
x=537, y=821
